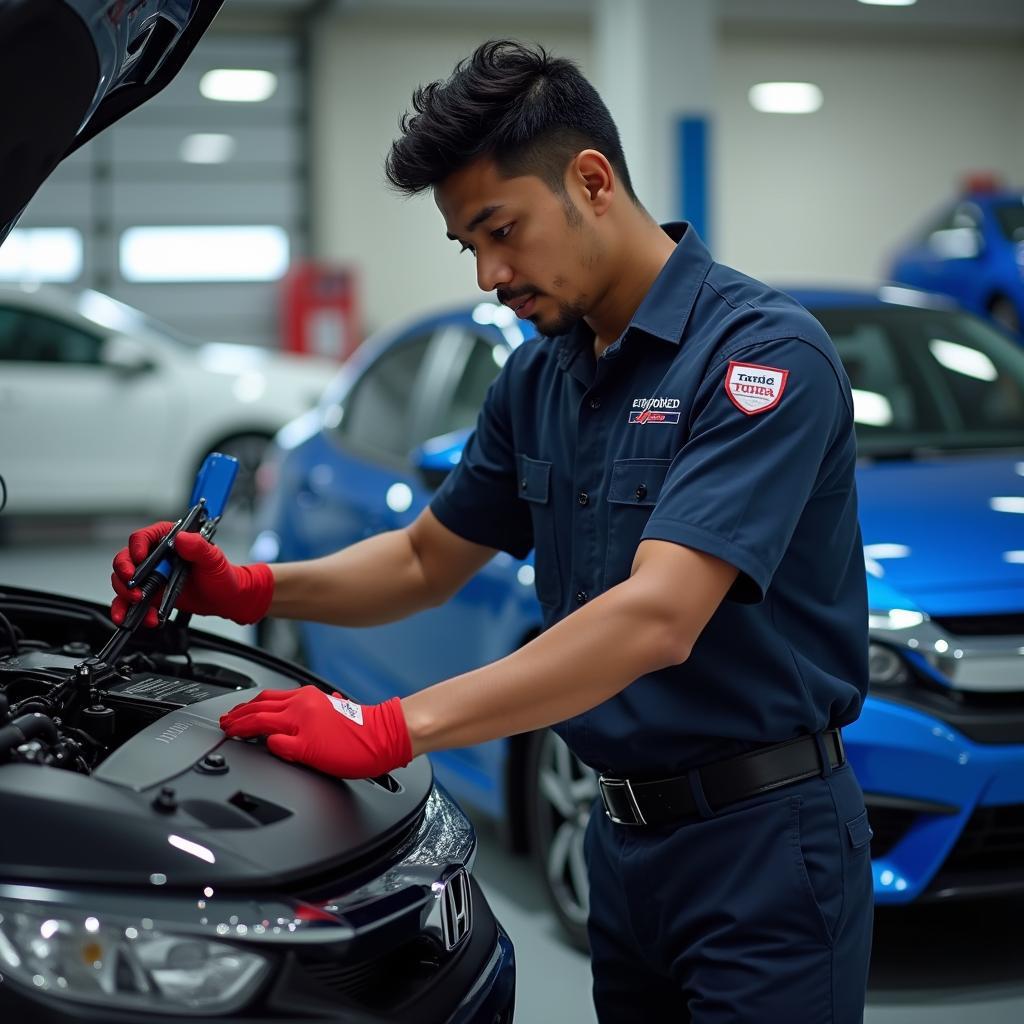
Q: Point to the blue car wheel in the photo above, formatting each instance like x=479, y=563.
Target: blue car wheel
x=560, y=791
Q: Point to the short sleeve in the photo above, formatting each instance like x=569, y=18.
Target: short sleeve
x=768, y=416
x=479, y=499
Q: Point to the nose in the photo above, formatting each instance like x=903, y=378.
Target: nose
x=492, y=272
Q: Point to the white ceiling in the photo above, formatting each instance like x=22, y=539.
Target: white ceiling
x=969, y=16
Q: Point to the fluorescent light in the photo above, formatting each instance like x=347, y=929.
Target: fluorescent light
x=871, y=408
x=785, y=97
x=888, y=3
x=963, y=359
x=41, y=254
x=1007, y=504
x=886, y=550
x=207, y=148
x=238, y=85
x=251, y=253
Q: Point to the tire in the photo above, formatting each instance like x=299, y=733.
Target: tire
x=249, y=449
x=560, y=792
x=282, y=638
x=1004, y=312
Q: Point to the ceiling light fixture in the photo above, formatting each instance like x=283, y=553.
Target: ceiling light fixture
x=785, y=97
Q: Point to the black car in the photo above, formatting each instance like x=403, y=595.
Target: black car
x=151, y=866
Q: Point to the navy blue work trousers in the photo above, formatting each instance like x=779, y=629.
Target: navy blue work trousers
x=759, y=914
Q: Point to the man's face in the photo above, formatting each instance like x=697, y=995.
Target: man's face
x=535, y=248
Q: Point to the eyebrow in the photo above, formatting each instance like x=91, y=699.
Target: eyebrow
x=484, y=214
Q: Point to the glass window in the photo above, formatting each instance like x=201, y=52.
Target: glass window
x=378, y=414
x=480, y=368
x=27, y=337
x=929, y=379
x=1010, y=217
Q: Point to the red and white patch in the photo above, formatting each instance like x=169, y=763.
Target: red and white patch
x=753, y=388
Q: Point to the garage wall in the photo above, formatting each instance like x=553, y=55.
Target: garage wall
x=818, y=195
x=133, y=176
x=364, y=72
x=902, y=121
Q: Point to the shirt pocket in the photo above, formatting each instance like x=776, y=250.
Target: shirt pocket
x=535, y=488
x=633, y=491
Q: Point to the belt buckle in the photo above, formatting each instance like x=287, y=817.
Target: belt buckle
x=605, y=784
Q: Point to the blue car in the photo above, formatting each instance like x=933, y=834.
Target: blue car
x=972, y=250
x=939, y=748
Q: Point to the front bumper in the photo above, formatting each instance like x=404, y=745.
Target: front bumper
x=947, y=811
x=476, y=987
x=388, y=946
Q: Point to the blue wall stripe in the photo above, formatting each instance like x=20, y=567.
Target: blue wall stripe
x=693, y=140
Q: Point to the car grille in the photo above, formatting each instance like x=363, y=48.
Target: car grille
x=993, y=840
x=372, y=982
x=888, y=825
x=988, y=859
x=983, y=625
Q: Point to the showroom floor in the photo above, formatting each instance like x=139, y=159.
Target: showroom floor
x=943, y=965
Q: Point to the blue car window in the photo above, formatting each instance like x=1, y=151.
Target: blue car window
x=1010, y=218
x=929, y=379
x=480, y=368
x=378, y=413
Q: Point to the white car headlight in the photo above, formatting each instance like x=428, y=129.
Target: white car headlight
x=105, y=961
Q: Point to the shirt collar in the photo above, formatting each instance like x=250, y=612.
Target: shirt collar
x=666, y=307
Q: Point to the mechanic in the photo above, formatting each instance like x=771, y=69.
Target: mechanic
x=679, y=451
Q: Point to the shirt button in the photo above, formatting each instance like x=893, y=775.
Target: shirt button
x=595, y=402
x=581, y=597
x=641, y=492
x=583, y=498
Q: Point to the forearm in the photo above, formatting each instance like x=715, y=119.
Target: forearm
x=377, y=580
x=583, y=660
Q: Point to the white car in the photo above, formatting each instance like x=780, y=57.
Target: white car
x=104, y=410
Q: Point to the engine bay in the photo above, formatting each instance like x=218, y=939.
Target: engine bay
x=61, y=706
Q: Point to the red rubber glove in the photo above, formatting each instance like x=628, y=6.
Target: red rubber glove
x=214, y=586
x=331, y=734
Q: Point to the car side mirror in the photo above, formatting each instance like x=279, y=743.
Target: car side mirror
x=127, y=355
x=438, y=456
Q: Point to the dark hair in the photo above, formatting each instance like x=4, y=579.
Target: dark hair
x=529, y=111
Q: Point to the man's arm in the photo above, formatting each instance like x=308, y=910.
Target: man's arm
x=380, y=579
x=647, y=622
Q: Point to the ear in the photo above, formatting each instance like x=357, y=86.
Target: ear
x=591, y=180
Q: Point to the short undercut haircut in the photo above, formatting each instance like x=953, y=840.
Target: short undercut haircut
x=528, y=111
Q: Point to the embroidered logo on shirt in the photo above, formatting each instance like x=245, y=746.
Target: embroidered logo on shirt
x=353, y=712
x=655, y=410
x=752, y=388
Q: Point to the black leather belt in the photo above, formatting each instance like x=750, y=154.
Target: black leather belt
x=663, y=801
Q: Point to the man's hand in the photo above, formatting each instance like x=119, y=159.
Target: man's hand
x=331, y=734
x=214, y=586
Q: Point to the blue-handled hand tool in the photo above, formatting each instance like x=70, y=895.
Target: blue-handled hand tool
x=162, y=568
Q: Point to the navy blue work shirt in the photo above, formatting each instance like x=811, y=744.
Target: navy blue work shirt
x=722, y=420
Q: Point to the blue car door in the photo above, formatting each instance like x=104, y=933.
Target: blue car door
x=357, y=482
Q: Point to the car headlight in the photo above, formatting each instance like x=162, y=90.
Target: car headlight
x=115, y=963
x=886, y=668
x=901, y=636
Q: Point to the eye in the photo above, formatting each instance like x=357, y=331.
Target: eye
x=502, y=232
x=467, y=248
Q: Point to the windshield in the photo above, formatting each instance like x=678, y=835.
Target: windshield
x=928, y=380
x=1011, y=220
